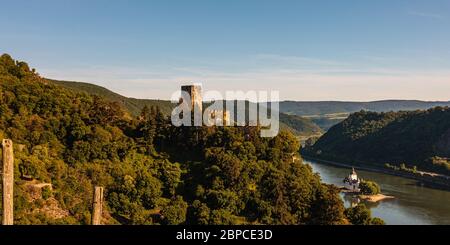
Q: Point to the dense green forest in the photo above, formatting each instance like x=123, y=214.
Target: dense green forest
x=66, y=142
x=406, y=140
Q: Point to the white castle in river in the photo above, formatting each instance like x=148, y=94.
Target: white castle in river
x=351, y=182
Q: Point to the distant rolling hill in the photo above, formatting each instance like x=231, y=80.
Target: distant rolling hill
x=305, y=108
x=299, y=126
x=326, y=114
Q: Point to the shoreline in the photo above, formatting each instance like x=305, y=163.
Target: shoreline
x=432, y=182
x=369, y=198
x=375, y=198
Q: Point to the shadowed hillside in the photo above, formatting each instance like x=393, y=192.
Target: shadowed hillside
x=414, y=139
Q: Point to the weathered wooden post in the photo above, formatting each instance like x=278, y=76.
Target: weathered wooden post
x=8, y=182
x=97, y=206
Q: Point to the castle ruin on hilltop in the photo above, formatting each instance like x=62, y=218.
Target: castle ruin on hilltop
x=216, y=116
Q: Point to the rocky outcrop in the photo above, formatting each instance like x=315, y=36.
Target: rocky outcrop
x=47, y=205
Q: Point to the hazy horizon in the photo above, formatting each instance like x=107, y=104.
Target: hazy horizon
x=310, y=51
x=282, y=100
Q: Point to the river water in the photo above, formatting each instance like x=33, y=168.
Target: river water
x=413, y=204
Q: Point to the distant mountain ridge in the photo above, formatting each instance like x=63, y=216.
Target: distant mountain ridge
x=300, y=108
x=308, y=108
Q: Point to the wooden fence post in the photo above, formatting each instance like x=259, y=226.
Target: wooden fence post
x=97, y=206
x=8, y=182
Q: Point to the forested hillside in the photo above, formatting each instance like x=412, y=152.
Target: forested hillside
x=415, y=139
x=297, y=125
x=66, y=142
x=132, y=105
x=300, y=126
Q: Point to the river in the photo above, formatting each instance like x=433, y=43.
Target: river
x=413, y=204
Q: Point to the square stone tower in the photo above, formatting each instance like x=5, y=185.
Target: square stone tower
x=195, y=92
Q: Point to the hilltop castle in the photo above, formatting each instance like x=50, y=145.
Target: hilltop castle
x=216, y=116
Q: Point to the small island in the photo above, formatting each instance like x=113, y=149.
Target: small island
x=365, y=190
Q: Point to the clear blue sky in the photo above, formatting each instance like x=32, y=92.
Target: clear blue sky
x=308, y=50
